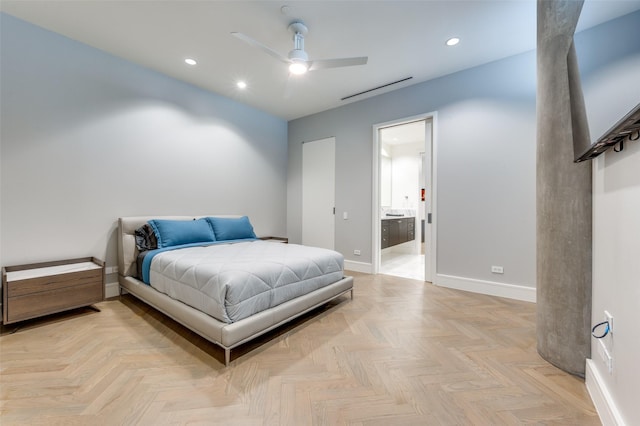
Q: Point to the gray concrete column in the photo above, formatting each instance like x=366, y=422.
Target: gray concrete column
x=563, y=195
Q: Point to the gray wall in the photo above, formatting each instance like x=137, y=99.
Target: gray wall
x=611, y=83
x=88, y=137
x=485, y=168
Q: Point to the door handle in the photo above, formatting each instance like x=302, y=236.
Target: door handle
x=428, y=217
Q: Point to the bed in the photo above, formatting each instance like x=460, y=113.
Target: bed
x=271, y=284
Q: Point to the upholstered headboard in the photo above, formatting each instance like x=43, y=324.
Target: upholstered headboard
x=127, y=251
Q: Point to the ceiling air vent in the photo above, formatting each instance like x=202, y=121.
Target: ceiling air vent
x=375, y=88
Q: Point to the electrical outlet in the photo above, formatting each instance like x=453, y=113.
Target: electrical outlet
x=606, y=356
x=609, y=318
x=497, y=269
x=356, y=252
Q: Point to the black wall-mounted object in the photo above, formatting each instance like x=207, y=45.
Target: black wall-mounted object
x=627, y=127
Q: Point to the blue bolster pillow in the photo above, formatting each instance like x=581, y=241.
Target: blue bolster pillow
x=226, y=228
x=177, y=232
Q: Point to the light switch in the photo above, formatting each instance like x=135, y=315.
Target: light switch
x=345, y=215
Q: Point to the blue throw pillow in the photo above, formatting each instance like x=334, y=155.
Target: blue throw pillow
x=226, y=228
x=177, y=232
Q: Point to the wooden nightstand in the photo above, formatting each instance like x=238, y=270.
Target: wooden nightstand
x=38, y=289
x=284, y=240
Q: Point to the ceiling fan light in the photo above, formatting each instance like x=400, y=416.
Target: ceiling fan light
x=298, y=68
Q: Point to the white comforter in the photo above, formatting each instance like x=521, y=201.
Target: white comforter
x=234, y=281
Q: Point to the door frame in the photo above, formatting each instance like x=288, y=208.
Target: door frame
x=376, y=222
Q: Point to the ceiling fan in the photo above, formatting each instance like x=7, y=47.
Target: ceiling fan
x=297, y=58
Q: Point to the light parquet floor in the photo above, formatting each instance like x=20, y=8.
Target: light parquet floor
x=402, y=352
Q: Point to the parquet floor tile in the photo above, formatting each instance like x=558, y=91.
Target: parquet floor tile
x=402, y=352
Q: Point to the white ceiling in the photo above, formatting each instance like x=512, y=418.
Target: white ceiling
x=401, y=39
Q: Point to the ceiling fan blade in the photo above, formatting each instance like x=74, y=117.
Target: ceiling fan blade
x=336, y=63
x=261, y=46
x=288, y=87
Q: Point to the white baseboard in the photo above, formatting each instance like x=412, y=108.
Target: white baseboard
x=510, y=291
x=602, y=400
x=111, y=290
x=351, y=265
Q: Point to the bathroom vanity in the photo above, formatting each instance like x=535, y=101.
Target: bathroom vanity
x=397, y=230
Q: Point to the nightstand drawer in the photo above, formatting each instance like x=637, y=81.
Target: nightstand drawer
x=38, y=304
x=55, y=282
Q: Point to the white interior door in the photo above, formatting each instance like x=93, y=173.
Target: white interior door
x=318, y=193
x=428, y=207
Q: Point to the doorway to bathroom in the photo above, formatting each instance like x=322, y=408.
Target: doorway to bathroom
x=404, y=244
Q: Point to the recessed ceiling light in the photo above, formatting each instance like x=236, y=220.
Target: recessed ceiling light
x=190, y=61
x=453, y=41
x=241, y=85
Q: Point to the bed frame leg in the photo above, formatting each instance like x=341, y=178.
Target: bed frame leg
x=227, y=356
